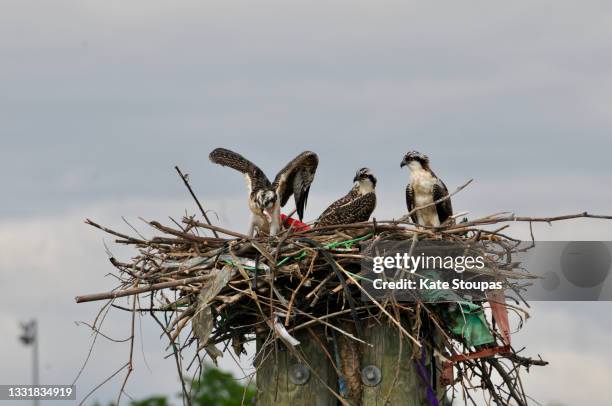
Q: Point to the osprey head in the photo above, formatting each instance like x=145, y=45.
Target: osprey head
x=365, y=175
x=416, y=157
x=265, y=198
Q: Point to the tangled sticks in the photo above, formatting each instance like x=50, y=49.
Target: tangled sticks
x=233, y=289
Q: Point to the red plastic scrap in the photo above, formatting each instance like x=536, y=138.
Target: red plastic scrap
x=296, y=225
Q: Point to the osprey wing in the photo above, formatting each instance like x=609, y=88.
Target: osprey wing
x=295, y=179
x=444, y=208
x=255, y=176
x=352, y=194
x=355, y=210
x=410, y=203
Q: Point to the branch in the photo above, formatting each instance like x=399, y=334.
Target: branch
x=130, y=367
x=142, y=289
x=524, y=361
x=186, y=182
x=196, y=223
x=512, y=217
x=115, y=233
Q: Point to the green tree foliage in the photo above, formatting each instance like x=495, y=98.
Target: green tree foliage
x=214, y=388
x=152, y=401
x=218, y=388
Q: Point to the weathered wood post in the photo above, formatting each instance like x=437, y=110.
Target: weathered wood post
x=282, y=379
x=392, y=354
x=398, y=382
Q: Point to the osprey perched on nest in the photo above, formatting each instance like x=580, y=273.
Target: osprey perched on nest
x=356, y=206
x=265, y=198
x=425, y=188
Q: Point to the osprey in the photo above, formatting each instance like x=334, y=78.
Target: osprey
x=265, y=198
x=356, y=206
x=425, y=188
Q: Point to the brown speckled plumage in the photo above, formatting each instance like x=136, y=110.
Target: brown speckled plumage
x=355, y=210
x=354, y=207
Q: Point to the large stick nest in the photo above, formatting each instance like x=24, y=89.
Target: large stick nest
x=211, y=294
x=215, y=291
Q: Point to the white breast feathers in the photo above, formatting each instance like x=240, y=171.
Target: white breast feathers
x=422, y=183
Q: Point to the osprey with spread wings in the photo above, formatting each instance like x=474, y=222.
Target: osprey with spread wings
x=265, y=198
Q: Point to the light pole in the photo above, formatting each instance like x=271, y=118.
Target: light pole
x=29, y=336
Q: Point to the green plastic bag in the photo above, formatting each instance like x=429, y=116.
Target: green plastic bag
x=465, y=319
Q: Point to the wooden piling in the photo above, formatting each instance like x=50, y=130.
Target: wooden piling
x=389, y=352
x=276, y=374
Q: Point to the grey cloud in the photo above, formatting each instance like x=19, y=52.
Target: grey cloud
x=100, y=100
x=119, y=95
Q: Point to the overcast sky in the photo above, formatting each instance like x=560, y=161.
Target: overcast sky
x=100, y=99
